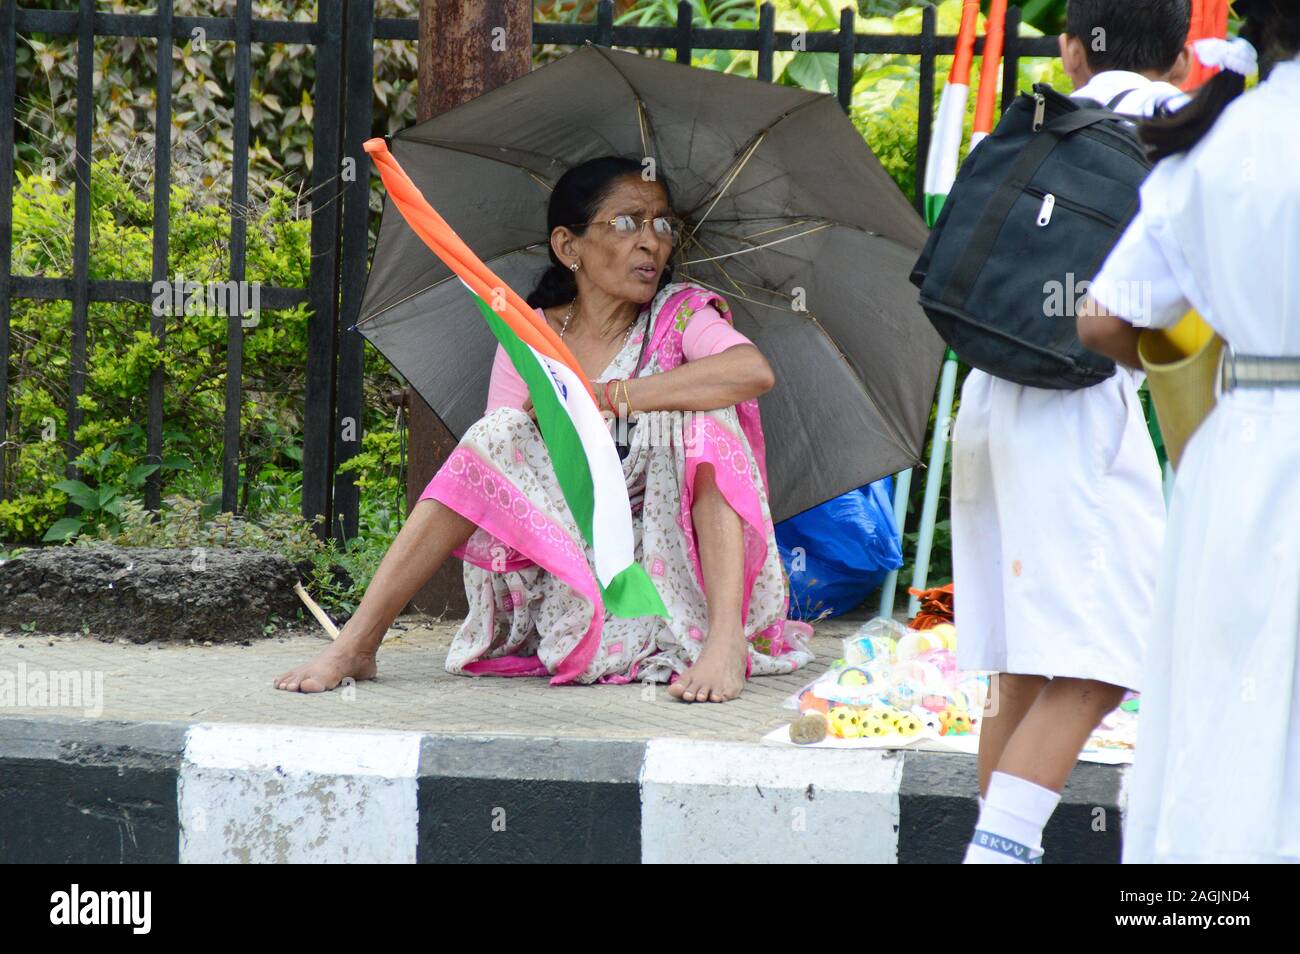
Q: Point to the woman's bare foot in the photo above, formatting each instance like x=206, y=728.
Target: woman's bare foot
x=718, y=674
x=329, y=667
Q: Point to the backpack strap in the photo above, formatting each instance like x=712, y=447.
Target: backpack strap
x=980, y=245
x=1115, y=101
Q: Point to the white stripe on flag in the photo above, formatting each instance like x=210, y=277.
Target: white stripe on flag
x=945, y=149
x=611, y=518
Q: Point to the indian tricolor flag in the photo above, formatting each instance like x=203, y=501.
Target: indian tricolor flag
x=582, y=450
x=995, y=34
x=945, y=144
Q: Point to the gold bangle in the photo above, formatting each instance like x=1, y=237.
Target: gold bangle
x=627, y=397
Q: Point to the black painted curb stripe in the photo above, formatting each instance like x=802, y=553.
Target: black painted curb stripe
x=937, y=812
x=89, y=792
x=534, y=800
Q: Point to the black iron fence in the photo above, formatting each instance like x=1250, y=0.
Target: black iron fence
x=343, y=37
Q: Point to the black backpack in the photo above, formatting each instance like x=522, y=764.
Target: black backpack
x=1032, y=215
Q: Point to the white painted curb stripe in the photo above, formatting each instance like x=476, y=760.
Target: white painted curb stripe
x=258, y=793
x=742, y=803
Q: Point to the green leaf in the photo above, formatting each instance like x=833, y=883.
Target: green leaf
x=137, y=475
x=176, y=462
x=79, y=493
x=106, y=494
x=62, y=529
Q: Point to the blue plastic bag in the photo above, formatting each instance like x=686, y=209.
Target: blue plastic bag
x=838, y=552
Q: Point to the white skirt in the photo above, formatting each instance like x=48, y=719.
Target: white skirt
x=1058, y=519
x=1217, y=770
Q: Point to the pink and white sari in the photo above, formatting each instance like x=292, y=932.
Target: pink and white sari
x=534, y=606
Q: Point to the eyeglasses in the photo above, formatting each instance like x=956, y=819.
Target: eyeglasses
x=625, y=226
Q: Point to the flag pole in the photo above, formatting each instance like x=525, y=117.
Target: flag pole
x=941, y=170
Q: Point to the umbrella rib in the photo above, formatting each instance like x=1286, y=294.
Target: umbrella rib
x=900, y=442
x=421, y=291
x=451, y=146
x=643, y=118
x=747, y=153
x=757, y=248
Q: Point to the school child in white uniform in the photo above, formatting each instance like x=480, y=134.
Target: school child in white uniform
x=1217, y=771
x=1057, y=509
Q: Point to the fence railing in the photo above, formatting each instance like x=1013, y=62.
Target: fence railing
x=343, y=37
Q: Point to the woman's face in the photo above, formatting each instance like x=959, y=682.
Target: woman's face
x=622, y=266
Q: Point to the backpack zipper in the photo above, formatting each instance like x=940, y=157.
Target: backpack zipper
x=1050, y=201
x=1128, y=146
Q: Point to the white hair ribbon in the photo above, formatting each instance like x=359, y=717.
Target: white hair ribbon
x=1237, y=56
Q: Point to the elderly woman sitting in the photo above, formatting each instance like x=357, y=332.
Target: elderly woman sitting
x=693, y=459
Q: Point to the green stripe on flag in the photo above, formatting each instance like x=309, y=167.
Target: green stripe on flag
x=561, y=437
x=631, y=593
x=933, y=206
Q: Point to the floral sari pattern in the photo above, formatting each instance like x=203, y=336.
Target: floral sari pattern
x=534, y=603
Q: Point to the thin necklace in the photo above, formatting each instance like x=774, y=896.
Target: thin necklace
x=568, y=316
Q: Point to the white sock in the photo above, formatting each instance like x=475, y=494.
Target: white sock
x=1012, y=817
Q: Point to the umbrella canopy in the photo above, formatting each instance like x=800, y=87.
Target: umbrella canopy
x=789, y=217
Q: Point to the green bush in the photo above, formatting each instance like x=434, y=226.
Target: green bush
x=121, y=354
x=121, y=351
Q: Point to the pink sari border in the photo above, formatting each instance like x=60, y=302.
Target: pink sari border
x=470, y=485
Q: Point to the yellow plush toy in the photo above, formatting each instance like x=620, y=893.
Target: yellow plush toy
x=845, y=722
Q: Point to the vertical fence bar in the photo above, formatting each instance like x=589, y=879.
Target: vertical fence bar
x=605, y=23
x=844, y=76
x=359, y=70
x=685, y=42
x=8, y=89
x=322, y=342
x=924, y=122
x=238, y=236
x=1011, y=58
x=162, y=124
x=81, y=227
x=766, y=41
x=924, y=106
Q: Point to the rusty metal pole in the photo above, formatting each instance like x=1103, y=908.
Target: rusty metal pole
x=467, y=47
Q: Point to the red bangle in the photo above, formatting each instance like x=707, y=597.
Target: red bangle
x=608, y=403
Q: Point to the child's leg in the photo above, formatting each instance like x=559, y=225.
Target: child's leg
x=1045, y=746
x=1010, y=696
x=1036, y=761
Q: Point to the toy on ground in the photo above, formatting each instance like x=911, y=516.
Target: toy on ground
x=895, y=683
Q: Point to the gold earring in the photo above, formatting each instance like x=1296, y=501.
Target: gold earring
x=574, y=267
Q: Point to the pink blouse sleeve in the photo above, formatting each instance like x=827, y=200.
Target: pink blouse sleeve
x=708, y=333
x=506, y=388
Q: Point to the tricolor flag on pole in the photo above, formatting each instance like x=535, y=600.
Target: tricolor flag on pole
x=995, y=32
x=945, y=144
x=1209, y=19
x=586, y=462
x=940, y=173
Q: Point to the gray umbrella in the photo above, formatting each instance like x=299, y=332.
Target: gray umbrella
x=790, y=218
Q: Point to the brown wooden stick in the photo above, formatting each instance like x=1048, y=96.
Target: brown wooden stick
x=326, y=623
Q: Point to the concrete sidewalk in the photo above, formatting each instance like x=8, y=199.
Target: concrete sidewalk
x=195, y=756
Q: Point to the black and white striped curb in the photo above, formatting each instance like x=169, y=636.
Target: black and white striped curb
x=89, y=791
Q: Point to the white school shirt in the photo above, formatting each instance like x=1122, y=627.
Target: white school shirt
x=1218, y=228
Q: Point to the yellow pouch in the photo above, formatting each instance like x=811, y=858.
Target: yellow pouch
x=1181, y=364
